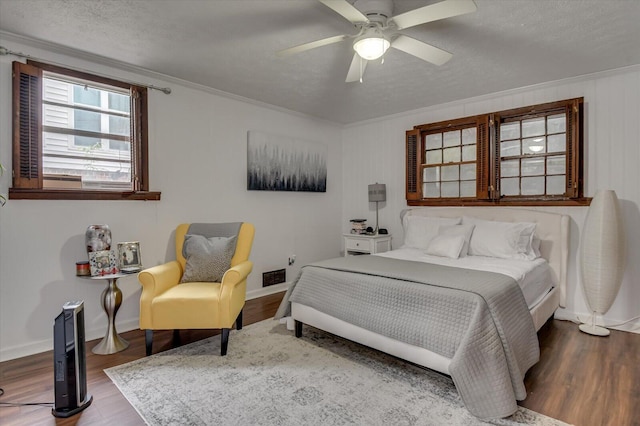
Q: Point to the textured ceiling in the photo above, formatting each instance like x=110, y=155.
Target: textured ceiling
x=230, y=45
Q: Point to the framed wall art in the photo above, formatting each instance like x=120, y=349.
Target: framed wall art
x=280, y=163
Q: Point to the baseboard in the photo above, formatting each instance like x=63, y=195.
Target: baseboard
x=33, y=348
x=580, y=317
x=265, y=291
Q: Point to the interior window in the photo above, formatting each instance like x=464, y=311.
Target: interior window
x=78, y=136
x=525, y=156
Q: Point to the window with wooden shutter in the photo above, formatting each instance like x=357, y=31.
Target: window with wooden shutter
x=527, y=156
x=413, y=164
x=78, y=136
x=27, y=149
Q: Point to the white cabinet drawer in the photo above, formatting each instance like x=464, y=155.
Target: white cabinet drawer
x=356, y=244
x=366, y=244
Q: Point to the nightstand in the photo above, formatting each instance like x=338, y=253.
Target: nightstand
x=366, y=244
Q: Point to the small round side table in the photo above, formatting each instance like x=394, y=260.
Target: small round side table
x=111, y=301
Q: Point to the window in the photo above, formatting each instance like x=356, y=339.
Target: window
x=78, y=136
x=525, y=156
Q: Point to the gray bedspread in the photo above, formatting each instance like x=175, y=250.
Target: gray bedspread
x=478, y=319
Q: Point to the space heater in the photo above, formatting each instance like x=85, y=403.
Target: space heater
x=69, y=361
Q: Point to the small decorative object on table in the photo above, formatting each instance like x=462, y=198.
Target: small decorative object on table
x=97, y=238
x=129, y=256
x=83, y=269
x=103, y=262
x=358, y=226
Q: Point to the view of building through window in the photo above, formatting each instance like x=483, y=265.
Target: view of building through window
x=86, y=134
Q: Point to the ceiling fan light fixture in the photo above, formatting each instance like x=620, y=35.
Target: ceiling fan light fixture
x=371, y=46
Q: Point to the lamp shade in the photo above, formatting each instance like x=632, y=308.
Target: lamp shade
x=371, y=46
x=377, y=192
x=602, y=252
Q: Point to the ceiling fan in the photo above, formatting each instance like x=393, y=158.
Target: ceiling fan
x=378, y=30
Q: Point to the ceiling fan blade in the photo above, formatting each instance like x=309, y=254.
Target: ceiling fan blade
x=346, y=10
x=355, y=72
x=434, y=12
x=311, y=45
x=421, y=50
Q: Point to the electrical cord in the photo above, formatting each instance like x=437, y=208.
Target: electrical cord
x=20, y=404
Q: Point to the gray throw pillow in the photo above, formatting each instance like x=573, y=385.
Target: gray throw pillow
x=207, y=258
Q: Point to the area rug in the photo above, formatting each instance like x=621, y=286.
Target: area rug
x=271, y=378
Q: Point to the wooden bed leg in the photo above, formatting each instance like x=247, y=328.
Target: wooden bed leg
x=298, y=328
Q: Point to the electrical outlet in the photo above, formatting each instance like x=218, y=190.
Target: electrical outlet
x=292, y=259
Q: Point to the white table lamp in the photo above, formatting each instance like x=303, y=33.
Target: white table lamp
x=377, y=193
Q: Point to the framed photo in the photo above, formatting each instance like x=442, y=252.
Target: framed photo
x=129, y=256
x=103, y=262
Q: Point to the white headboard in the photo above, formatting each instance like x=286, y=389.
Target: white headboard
x=551, y=228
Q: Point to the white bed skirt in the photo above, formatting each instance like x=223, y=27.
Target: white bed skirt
x=415, y=354
x=420, y=356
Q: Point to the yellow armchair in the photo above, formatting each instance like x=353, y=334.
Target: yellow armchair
x=167, y=304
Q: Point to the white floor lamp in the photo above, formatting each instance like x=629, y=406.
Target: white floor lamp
x=602, y=256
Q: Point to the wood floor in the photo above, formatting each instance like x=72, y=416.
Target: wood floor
x=580, y=379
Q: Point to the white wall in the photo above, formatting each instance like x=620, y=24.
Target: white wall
x=198, y=158
x=374, y=151
x=197, y=144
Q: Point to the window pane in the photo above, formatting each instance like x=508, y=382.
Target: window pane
x=533, y=127
x=119, y=102
x=87, y=142
x=431, y=190
x=450, y=189
x=469, y=136
x=434, y=157
x=533, y=145
x=100, y=162
x=468, y=171
x=57, y=116
x=450, y=173
x=509, y=131
x=510, y=168
x=451, y=138
x=86, y=120
x=119, y=145
x=510, y=186
x=555, y=185
x=86, y=95
x=451, y=155
x=532, y=166
x=119, y=126
x=556, y=165
x=433, y=141
x=508, y=149
x=533, y=185
x=468, y=153
x=557, y=143
x=556, y=123
x=431, y=174
x=468, y=188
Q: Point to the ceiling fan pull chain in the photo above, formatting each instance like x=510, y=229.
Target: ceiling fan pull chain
x=361, y=69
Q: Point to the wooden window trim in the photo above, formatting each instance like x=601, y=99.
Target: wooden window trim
x=488, y=159
x=28, y=182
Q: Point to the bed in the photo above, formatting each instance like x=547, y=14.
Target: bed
x=473, y=316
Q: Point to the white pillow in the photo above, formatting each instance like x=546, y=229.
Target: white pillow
x=419, y=230
x=535, y=246
x=446, y=246
x=464, y=230
x=505, y=240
